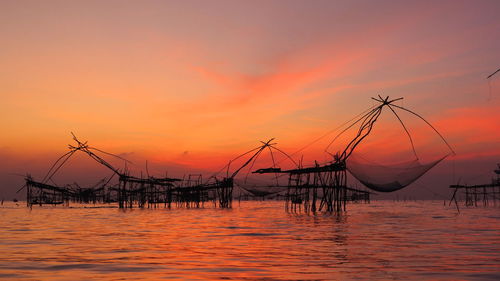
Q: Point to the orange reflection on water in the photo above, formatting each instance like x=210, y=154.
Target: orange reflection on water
x=257, y=240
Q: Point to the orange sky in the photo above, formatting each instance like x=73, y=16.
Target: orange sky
x=195, y=83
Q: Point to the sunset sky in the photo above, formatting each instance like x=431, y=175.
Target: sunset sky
x=192, y=84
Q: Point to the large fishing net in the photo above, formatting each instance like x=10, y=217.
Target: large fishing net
x=387, y=178
x=396, y=139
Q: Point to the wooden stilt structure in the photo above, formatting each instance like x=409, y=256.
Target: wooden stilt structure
x=130, y=192
x=324, y=187
x=320, y=187
x=481, y=194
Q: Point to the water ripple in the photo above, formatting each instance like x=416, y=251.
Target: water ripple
x=254, y=241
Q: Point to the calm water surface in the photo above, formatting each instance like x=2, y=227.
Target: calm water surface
x=383, y=240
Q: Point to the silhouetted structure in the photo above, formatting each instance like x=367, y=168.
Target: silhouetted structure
x=324, y=187
x=151, y=192
x=487, y=194
x=321, y=187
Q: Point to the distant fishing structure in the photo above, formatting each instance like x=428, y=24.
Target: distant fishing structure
x=491, y=75
x=472, y=195
x=319, y=187
x=480, y=194
x=151, y=192
x=489, y=80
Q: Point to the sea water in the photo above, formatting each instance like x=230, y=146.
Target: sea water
x=256, y=240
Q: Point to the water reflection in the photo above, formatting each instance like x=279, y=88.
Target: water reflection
x=257, y=240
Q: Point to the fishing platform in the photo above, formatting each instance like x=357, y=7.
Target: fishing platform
x=317, y=187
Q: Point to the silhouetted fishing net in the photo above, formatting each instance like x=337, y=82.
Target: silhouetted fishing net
x=387, y=178
x=401, y=135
